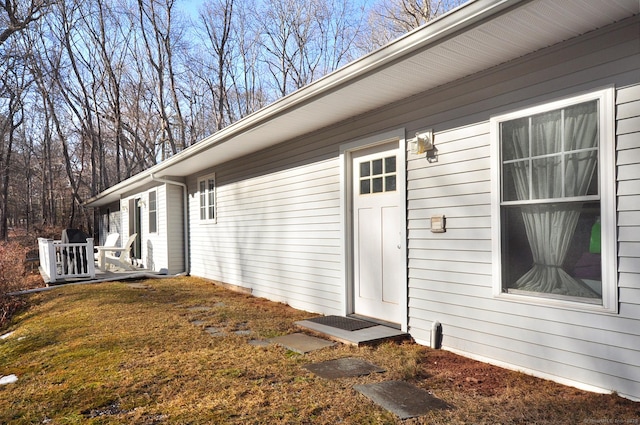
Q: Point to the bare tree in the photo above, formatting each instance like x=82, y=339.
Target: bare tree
x=14, y=82
x=390, y=19
x=216, y=18
x=303, y=41
x=156, y=19
x=110, y=38
x=16, y=15
x=247, y=92
x=122, y=84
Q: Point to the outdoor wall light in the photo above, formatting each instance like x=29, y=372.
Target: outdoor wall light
x=141, y=203
x=422, y=143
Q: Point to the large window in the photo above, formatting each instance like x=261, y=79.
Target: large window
x=555, y=200
x=207, y=193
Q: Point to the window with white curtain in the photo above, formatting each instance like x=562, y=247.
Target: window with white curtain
x=555, y=205
x=207, y=195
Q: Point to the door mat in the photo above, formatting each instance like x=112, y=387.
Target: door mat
x=348, y=367
x=344, y=323
x=401, y=398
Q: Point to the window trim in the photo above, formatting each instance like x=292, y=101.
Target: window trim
x=155, y=211
x=206, y=179
x=607, y=193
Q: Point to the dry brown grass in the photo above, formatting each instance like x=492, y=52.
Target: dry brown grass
x=112, y=353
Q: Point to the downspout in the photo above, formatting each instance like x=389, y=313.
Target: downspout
x=185, y=215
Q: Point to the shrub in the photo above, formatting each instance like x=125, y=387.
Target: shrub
x=12, y=278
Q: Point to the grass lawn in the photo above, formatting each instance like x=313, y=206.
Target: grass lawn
x=114, y=353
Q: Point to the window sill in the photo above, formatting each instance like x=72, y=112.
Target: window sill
x=595, y=305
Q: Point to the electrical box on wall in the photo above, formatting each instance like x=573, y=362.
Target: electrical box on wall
x=438, y=224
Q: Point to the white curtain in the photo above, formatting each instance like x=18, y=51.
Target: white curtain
x=550, y=227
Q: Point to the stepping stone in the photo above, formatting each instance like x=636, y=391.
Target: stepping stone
x=242, y=332
x=259, y=343
x=301, y=343
x=198, y=308
x=401, y=398
x=343, y=368
x=198, y=322
x=137, y=285
x=214, y=331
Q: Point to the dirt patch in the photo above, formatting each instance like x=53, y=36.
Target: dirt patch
x=468, y=375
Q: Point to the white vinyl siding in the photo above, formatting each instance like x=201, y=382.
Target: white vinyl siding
x=174, y=222
x=628, y=166
x=451, y=276
x=277, y=233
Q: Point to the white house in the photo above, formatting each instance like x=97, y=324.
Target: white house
x=482, y=171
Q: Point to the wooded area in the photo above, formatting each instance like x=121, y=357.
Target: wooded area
x=94, y=91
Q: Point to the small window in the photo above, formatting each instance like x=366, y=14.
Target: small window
x=378, y=175
x=554, y=218
x=153, y=212
x=207, y=195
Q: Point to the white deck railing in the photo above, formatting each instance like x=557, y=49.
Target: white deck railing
x=59, y=261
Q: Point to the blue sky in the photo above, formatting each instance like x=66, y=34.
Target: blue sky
x=190, y=6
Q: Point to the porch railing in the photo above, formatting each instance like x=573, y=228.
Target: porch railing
x=60, y=261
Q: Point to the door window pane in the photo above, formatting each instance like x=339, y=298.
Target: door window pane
x=377, y=185
x=365, y=187
x=377, y=166
x=365, y=169
x=390, y=164
x=390, y=183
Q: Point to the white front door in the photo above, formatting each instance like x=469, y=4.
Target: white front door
x=379, y=273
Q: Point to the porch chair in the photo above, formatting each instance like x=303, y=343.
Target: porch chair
x=117, y=256
x=99, y=250
x=111, y=241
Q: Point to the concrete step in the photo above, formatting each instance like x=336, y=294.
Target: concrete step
x=371, y=335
